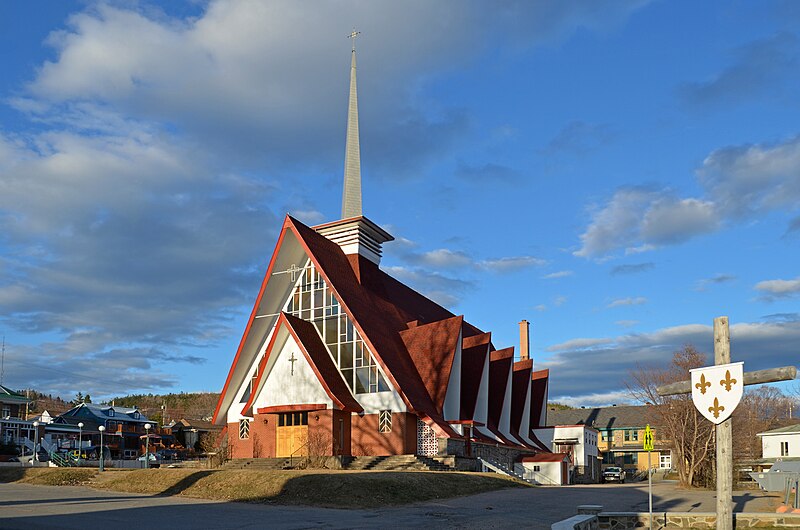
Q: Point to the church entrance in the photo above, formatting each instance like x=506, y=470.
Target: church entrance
x=292, y=434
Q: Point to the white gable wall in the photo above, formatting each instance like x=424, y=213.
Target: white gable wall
x=771, y=444
x=482, y=406
x=235, y=410
x=525, y=424
x=505, y=416
x=284, y=387
x=452, y=401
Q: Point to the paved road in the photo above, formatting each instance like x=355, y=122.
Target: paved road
x=33, y=507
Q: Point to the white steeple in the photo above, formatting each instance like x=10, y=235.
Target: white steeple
x=351, y=196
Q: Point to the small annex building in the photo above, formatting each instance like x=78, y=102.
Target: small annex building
x=340, y=358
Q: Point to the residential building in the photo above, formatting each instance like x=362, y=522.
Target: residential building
x=780, y=444
x=15, y=432
x=124, y=427
x=621, y=431
x=580, y=443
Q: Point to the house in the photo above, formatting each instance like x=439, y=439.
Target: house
x=780, y=444
x=16, y=432
x=580, y=444
x=188, y=433
x=621, y=431
x=546, y=469
x=340, y=358
x=124, y=427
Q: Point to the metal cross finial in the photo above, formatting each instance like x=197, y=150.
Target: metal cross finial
x=292, y=360
x=353, y=35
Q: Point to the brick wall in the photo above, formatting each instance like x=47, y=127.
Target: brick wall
x=367, y=441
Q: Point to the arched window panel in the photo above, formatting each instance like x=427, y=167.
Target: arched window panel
x=313, y=300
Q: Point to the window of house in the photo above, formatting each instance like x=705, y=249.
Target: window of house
x=635, y=435
x=244, y=429
x=112, y=426
x=537, y=468
x=627, y=436
x=247, y=391
x=292, y=419
x=314, y=301
x=136, y=415
x=111, y=413
x=385, y=421
x=6, y=411
x=784, y=448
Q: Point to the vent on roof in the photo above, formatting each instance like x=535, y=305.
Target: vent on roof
x=357, y=235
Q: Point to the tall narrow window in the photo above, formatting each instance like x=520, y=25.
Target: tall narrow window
x=314, y=300
x=784, y=448
x=385, y=421
x=244, y=429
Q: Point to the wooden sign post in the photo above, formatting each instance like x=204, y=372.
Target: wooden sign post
x=722, y=355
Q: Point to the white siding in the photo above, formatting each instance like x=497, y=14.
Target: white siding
x=771, y=445
x=452, y=401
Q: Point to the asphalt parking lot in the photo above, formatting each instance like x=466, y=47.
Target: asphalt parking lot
x=26, y=507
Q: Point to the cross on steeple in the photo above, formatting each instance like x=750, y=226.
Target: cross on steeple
x=353, y=35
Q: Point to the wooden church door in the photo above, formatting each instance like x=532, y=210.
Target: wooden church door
x=292, y=434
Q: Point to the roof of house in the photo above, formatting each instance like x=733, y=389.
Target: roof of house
x=789, y=429
x=102, y=413
x=618, y=417
x=9, y=396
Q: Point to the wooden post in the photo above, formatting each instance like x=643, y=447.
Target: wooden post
x=722, y=355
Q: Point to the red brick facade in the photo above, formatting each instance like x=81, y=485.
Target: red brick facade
x=330, y=432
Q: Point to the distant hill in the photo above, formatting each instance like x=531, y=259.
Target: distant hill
x=558, y=406
x=197, y=405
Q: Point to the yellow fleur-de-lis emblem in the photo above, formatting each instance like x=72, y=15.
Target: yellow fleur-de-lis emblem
x=728, y=381
x=716, y=409
x=703, y=384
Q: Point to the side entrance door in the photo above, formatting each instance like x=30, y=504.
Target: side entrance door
x=292, y=434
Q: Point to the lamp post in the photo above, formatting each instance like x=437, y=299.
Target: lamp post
x=80, y=440
x=35, y=442
x=147, y=445
x=101, y=429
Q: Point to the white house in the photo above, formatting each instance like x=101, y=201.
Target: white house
x=579, y=442
x=781, y=443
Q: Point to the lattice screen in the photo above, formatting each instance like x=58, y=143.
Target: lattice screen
x=426, y=440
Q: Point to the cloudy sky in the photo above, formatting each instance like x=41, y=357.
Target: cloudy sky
x=617, y=173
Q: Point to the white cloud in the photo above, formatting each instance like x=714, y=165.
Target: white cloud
x=558, y=274
x=511, y=263
x=445, y=258
x=779, y=288
x=577, y=344
x=639, y=300
x=439, y=288
x=626, y=323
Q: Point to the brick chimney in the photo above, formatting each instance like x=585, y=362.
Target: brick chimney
x=524, y=340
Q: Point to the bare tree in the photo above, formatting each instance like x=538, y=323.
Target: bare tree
x=762, y=408
x=676, y=419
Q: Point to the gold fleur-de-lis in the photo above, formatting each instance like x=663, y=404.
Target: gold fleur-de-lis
x=703, y=384
x=716, y=409
x=728, y=381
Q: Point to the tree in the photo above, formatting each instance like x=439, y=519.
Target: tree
x=87, y=399
x=677, y=421
x=761, y=409
x=78, y=399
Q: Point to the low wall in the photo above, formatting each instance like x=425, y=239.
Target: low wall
x=591, y=515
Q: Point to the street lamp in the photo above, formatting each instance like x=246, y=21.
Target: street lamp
x=35, y=441
x=101, y=429
x=147, y=445
x=80, y=440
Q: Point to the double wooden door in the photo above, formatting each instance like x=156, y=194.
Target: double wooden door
x=292, y=434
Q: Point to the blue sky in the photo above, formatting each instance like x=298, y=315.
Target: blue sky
x=617, y=173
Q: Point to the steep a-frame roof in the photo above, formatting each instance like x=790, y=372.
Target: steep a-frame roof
x=474, y=350
x=315, y=352
x=520, y=385
x=380, y=307
x=432, y=347
x=500, y=362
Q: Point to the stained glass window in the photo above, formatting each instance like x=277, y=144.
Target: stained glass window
x=314, y=301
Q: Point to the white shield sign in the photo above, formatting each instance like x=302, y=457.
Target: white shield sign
x=717, y=390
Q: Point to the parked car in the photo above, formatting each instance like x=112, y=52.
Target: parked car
x=168, y=454
x=155, y=460
x=614, y=474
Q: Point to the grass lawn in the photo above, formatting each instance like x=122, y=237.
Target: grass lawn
x=341, y=489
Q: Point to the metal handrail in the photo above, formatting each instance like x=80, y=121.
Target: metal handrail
x=291, y=456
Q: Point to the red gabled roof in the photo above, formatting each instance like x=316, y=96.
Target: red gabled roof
x=520, y=381
x=432, y=347
x=474, y=350
x=538, y=396
x=499, y=363
x=315, y=352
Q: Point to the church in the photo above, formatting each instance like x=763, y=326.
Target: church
x=340, y=359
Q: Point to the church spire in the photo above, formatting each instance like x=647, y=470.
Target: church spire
x=351, y=196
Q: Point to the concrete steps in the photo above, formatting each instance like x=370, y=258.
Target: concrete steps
x=396, y=463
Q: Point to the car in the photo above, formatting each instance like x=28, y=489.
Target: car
x=614, y=474
x=155, y=460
